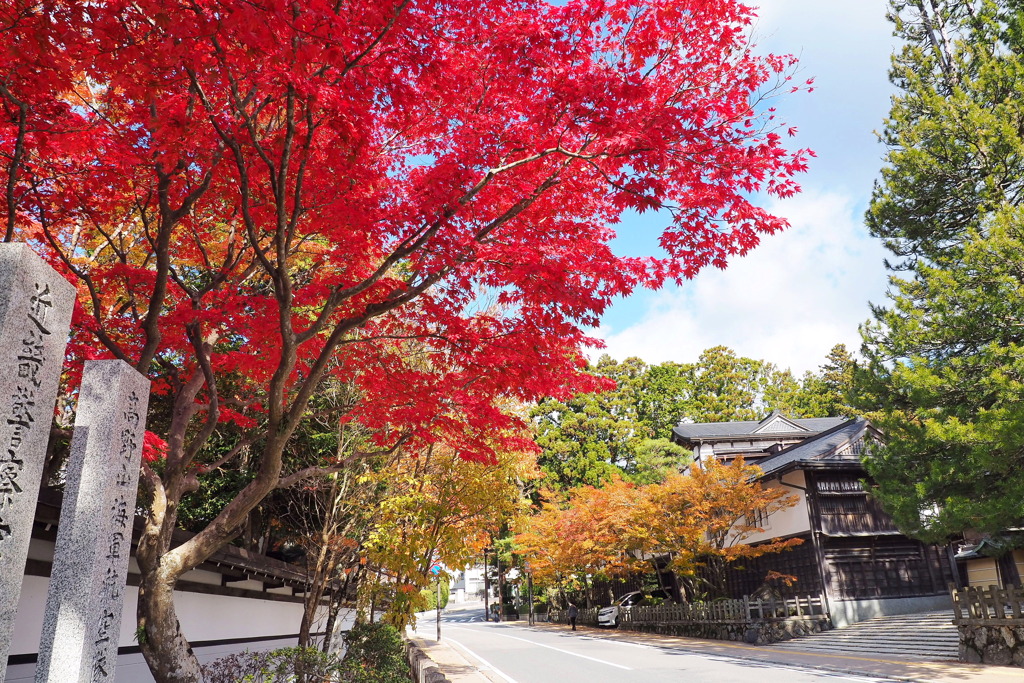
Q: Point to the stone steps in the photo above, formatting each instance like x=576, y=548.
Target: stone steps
x=928, y=636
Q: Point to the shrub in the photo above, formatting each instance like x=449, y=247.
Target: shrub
x=375, y=654
x=276, y=666
x=429, y=596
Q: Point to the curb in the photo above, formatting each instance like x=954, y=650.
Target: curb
x=424, y=669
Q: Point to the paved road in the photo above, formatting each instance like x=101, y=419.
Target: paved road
x=508, y=653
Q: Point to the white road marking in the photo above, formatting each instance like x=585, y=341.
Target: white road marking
x=487, y=665
x=556, y=649
x=623, y=643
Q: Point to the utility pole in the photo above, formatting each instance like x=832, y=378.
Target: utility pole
x=529, y=591
x=501, y=586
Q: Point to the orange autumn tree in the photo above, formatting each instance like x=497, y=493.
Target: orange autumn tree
x=700, y=521
x=584, y=537
x=704, y=519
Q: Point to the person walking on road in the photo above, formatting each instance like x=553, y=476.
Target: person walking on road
x=573, y=613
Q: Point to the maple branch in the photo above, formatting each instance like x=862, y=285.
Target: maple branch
x=300, y=176
x=15, y=166
x=169, y=218
x=85, y=277
x=351, y=64
x=242, y=444
x=232, y=144
x=152, y=481
x=373, y=310
x=410, y=245
x=183, y=411
x=307, y=472
x=202, y=348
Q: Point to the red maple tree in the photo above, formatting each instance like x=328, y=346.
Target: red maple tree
x=410, y=196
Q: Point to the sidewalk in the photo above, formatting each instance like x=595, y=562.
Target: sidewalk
x=451, y=662
x=449, y=659
x=889, y=667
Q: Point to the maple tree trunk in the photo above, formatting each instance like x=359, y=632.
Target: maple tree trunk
x=165, y=648
x=337, y=597
x=316, y=592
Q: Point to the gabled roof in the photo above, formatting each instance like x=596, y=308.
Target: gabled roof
x=775, y=425
x=838, y=446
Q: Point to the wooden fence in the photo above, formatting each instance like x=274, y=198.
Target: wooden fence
x=975, y=603
x=744, y=610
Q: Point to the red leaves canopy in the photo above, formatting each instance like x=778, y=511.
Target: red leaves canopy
x=250, y=189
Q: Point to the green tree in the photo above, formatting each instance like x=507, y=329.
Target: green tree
x=625, y=430
x=827, y=393
x=725, y=387
x=592, y=438
x=665, y=397
x=945, y=357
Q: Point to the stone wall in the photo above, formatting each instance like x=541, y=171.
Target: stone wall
x=984, y=642
x=754, y=632
x=760, y=632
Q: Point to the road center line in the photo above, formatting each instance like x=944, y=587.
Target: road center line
x=480, y=659
x=556, y=649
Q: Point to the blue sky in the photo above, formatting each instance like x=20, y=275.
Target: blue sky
x=800, y=292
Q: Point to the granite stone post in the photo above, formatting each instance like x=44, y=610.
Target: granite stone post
x=82, y=622
x=35, y=314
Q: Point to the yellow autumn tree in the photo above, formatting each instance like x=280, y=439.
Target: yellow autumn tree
x=440, y=508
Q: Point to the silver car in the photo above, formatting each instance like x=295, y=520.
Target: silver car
x=609, y=616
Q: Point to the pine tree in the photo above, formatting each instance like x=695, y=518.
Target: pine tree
x=945, y=368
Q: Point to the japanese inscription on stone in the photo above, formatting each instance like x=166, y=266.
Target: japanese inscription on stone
x=90, y=566
x=35, y=314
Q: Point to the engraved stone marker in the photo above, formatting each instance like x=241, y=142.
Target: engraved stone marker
x=82, y=623
x=35, y=314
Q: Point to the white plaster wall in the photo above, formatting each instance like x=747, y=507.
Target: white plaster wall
x=133, y=668
x=28, y=626
x=202, y=616
x=793, y=520
x=197, y=575
x=40, y=550
x=247, y=584
x=470, y=583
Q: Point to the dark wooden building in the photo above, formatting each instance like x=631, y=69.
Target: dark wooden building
x=852, y=550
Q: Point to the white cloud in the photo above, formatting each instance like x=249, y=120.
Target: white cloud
x=788, y=301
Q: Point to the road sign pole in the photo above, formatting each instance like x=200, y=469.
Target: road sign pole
x=439, y=608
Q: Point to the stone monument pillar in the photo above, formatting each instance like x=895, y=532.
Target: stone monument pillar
x=82, y=623
x=35, y=314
